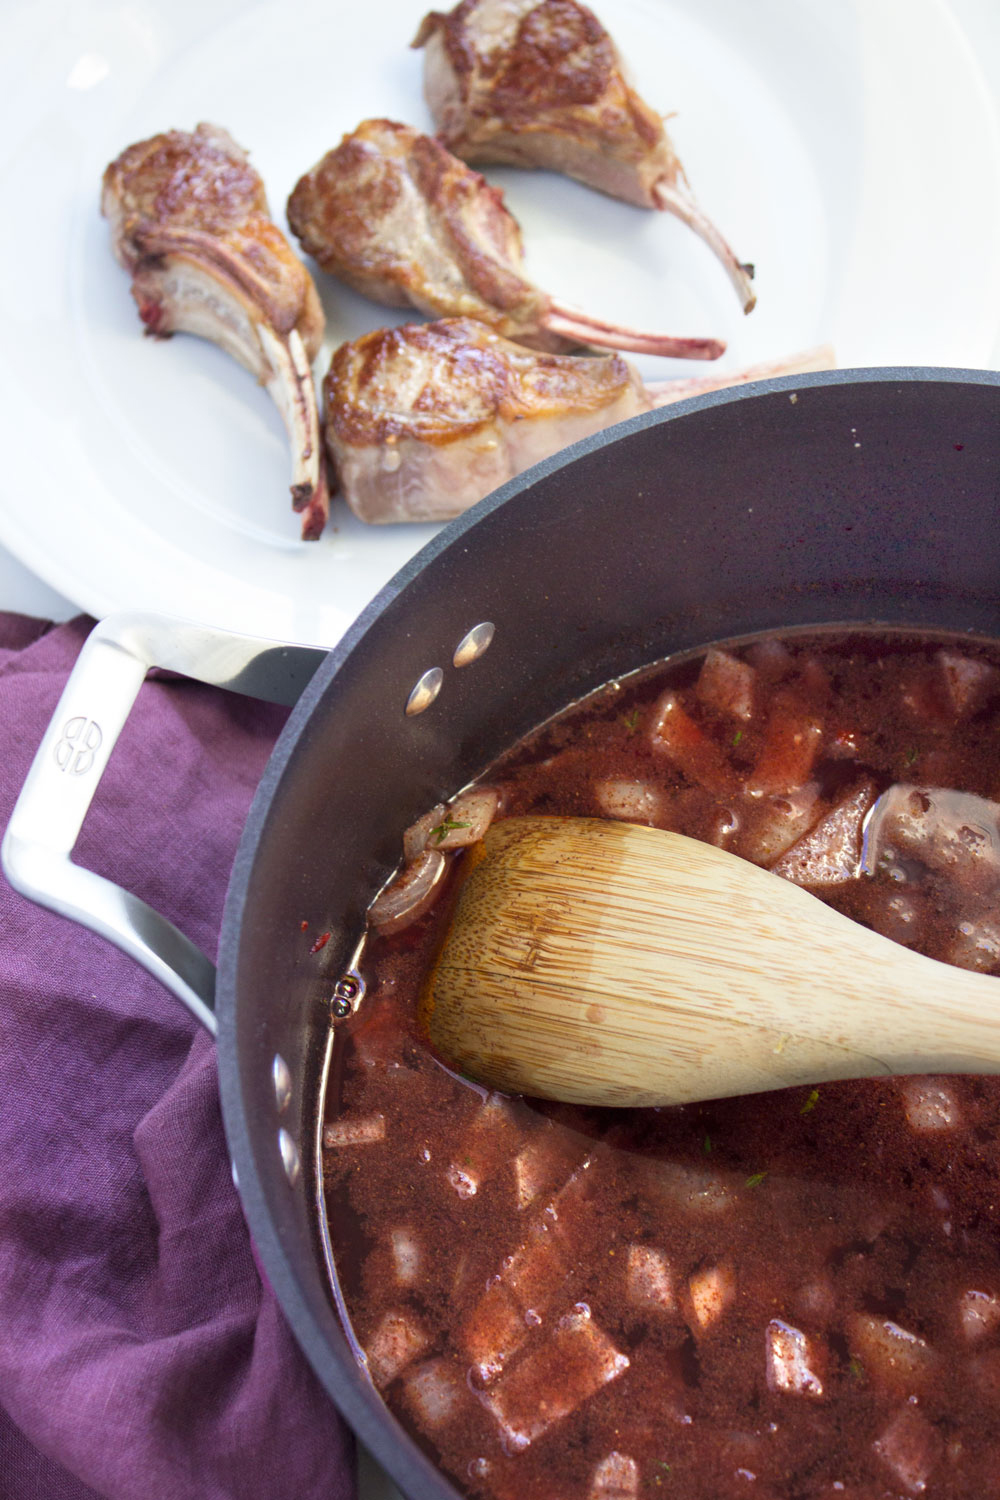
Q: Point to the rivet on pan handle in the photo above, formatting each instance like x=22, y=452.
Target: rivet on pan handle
x=49, y=813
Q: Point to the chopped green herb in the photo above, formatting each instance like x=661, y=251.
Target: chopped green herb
x=857, y=1369
x=911, y=756
x=737, y=736
x=631, y=721
x=756, y=1179
x=439, y=833
x=706, y=1145
x=811, y=1102
x=664, y=1467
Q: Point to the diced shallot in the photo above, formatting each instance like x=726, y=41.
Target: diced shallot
x=771, y=659
x=354, y=1132
x=406, y=1255
x=688, y=1190
x=529, y=1281
x=397, y=1341
x=791, y=1361
x=434, y=1391
x=726, y=684
x=830, y=853
x=792, y=740
x=615, y=1478
x=929, y=1104
x=969, y=683
x=979, y=1314
x=553, y=1380
x=649, y=1282
x=464, y=1181
x=629, y=800
x=542, y=1162
x=910, y=1448
x=711, y=1290
x=493, y=1331
x=891, y=1355
x=776, y=823
x=488, y=1140
x=675, y=734
x=410, y=895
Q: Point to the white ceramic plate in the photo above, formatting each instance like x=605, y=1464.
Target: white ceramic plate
x=849, y=150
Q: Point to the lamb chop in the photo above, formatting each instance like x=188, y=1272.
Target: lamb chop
x=424, y=420
x=403, y=221
x=539, y=83
x=189, y=220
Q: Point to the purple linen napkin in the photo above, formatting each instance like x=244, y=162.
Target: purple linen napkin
x=141, y=1358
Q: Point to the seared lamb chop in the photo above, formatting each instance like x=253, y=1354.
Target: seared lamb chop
x=189, y=220
x=424, y=420
x=403, y=221
x=539, y=83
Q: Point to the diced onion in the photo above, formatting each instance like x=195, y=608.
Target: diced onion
x=649, y=1280
x=910, y=1448
x=711, y=1289
x=790, y=1361
x=929, y=1104
x=615, y=1478
x=630, y=800
x=726, y=684
x=356, y=1132
x=979, y=1314
x=397, y=1341
x=412, y=893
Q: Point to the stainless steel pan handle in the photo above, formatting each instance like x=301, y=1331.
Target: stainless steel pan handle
x=49, y=813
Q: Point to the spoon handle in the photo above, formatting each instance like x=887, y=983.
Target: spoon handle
x=608, y=963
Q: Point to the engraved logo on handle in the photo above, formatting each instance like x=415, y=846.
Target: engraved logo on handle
x=79, y=743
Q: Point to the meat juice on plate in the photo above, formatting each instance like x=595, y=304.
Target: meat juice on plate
x=791, y=1294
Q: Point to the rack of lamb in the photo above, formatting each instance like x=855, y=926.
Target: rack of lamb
x=424, y=420
x=190, y=222
x=394, y=214
x=540, y=83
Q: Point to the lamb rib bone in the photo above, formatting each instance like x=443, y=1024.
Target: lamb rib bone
x=403, y=221
x=190, y=222
x=423, y=420
x=540, y=83
x=665, y=392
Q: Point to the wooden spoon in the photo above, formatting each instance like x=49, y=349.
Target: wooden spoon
x=608, y=963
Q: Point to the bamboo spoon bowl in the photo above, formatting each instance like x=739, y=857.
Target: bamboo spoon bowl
x=608, y=963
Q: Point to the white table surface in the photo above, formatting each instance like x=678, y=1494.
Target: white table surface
x=21, y=590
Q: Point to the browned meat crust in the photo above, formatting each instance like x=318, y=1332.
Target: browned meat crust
x=540, y=83
x=403, y=221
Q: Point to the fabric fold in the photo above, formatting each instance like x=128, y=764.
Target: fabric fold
x=141, y=1357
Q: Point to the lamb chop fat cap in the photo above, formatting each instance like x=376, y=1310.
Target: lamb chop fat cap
x=540, y=83
x=189, y=221
x=403, y=221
